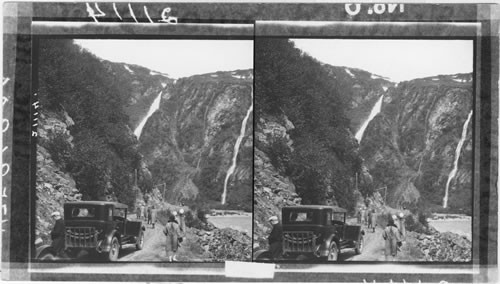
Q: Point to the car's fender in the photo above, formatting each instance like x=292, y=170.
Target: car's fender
x=262, y=255
x=105, y=243
x=325, y=246
x=43, y=250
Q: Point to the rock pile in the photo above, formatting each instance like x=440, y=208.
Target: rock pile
x=225, y=244
x=443, y=247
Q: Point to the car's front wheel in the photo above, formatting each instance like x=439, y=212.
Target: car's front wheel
x=115, y=250
x=333, y=252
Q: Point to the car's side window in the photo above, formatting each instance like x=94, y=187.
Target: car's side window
x=328, y=217
x=119, y=214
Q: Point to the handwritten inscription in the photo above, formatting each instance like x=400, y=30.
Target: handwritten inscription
x=378, y=9
x=5, y=166
x=35, y=115
x=95, y=13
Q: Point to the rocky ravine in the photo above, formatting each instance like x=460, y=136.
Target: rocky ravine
x=188, y=144
x=410, y=146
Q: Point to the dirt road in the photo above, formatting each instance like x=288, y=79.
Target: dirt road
x=154, y=248
x=373, y=249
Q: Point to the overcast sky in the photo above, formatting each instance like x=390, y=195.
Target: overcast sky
x=178, y=58
x=399, y=60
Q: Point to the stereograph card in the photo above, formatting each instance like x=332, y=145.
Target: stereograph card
x=233, y=141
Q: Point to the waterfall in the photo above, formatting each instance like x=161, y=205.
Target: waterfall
x=154, y=107
x=375, y=110
x=455, y=163
x=236, y=149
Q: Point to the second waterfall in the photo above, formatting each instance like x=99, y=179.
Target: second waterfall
x=231, y=169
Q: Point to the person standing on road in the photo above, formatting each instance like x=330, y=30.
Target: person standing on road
x=369, y=218
x=363, y=215
x=57, y=234
x=172, y=232
x=360, y=216
x=275, y=238
x=143, y=214
x=149, y=215
x=138, y=213
x=402, y=227
x=153, y=216
x=392, y=237
x=373, y=219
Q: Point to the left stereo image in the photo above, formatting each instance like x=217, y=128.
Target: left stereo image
x=144, y=150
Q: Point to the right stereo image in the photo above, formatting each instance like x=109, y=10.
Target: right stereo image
x=364, y=150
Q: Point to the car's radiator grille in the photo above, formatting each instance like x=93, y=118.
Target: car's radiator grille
x=299, y=241
x=81, y=237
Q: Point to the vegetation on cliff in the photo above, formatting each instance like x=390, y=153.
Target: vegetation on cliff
x=324, y=159
x=103, y=155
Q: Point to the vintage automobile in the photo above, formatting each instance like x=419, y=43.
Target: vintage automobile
x=97, y=226
x=317, y=232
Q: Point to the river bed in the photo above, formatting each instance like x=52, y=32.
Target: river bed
x=458, y=226
x=238, y=222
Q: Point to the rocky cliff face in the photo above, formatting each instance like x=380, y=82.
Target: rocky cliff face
x=361, y=88
x=410, y=146
x=189, y=143
x=272, y=189
x=144, y=85
x=54, y=185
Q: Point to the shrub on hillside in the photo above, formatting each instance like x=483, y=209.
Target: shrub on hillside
x=422, y=218
x=59, y=148
x=279, y=153
x=192, y=221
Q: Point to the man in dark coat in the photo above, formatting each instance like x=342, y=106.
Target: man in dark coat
x=57, y=234
x=275, y=238
x=149, y=215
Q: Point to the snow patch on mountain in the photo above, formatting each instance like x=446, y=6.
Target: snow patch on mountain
x=349, y=72
x=128, y=69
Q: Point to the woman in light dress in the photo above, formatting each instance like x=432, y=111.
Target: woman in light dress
x=173, y=233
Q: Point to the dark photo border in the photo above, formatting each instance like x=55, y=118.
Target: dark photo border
x=19, y=38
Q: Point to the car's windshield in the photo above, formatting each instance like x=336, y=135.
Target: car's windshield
x=338, y=217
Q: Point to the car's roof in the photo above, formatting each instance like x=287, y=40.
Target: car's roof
x=334, y=208
x=99, y=203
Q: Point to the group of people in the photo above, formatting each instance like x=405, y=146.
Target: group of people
x=393, y=233
x=148, y=214
x=367, y=217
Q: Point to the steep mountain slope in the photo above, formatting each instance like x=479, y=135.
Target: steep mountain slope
x=410, y=146
x=142, y=87
x=102, y=155
x=189, y=143
x=362, y=88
